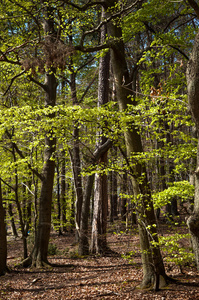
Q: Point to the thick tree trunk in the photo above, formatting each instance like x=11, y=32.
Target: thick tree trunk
x=193, y=98
x=3, y=241
x=40, y=250
x=153, y=266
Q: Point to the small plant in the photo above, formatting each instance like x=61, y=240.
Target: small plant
x=74, y=254
x=129, y=255
x=175, y=250
x=52, y=249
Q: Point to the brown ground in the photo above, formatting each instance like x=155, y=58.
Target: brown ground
x=108, y=277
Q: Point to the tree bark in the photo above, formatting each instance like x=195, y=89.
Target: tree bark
x=153, y=266
x=3, y=241
x=75, y=152
x=99, y=224
x=113, y=190
x=63, y=190
x=193, y=98
x=38, y=257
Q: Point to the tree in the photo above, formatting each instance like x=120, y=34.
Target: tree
x=151, y=257
x=99, y=223
x=193, y=98
x=3, y=241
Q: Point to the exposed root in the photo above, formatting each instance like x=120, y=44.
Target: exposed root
x=34, y=263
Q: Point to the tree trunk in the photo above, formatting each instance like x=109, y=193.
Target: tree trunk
x=193, y=98
x=12, y=221
x=83, y=237
x=38, y=257
x=19, y=209
x=39, y=254
x=124, y=200
x=58, y=223
x=63, y=190
x=3, y=241
x=99, y=224
x=75, y=153
x=153, y=266
x=113, y=190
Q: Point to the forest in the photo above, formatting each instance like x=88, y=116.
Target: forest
x=99, y=127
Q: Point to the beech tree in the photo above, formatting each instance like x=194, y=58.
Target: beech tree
x=3, y=242
x=193, y=98
x=100, y=210
x=37, y=63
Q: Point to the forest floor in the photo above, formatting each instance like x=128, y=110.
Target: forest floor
x=96, y=277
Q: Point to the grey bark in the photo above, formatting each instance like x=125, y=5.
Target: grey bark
x=193, y=98
x=83, y=237
x=152, y=262
x=38, y=257
x=99, y=224
x=3, y=241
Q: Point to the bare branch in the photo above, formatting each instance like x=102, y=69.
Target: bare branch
x=89, y=3
x=89, y=85
x=12, y=80
x=20, y=153
x=43, y=86
x=102, y=23
x=10, y=186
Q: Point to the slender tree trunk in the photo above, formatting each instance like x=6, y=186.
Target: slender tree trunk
x=152, y=261
x=193, y=98
x=99, y=224
x=75, y=153
x=123, y=199
x=58, y=222
x=13, y=226
x=83, y=237
x=19, y=209
x=63, y=190
x=38, y=257
x=3, y=241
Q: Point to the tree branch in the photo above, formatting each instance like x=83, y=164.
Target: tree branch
x=112, y=16
x=174, y=47
x=88, y=87
x=195, y=6
x=20, y=153
x=12, y=80
x=102, y=149
x=10, y=186
x=43, y=86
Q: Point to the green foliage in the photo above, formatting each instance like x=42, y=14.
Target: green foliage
x=182, y=190
x=52, y=249
x=176, y=249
